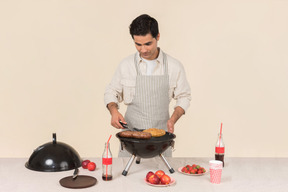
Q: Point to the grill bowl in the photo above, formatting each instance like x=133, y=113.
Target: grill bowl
x=147, y=148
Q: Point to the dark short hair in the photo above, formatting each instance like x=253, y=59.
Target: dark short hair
x=143, y=25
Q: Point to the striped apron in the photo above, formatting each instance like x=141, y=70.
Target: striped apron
x=150, y=105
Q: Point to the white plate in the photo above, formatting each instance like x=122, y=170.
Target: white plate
x=180, y=168
x=172, y=182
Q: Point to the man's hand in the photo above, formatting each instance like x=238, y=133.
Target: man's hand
x=170, y=126
x=178, y=112
x=116, y=116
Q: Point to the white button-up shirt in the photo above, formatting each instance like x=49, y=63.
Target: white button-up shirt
x=122, y=86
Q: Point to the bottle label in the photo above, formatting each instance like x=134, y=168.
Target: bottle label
x=219, y=149
x=107, y=161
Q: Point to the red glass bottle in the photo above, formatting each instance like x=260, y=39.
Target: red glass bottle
x=220, y=149
x=107, y=163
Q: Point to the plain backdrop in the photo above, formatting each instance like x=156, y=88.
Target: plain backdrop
x=57, y=57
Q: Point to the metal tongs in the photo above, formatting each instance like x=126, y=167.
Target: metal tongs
x=126, y=127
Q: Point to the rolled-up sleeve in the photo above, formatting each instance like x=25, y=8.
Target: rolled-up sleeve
x=123, y=76
x=114, y=91
x=182, y=91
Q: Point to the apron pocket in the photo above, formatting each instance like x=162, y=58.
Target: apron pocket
x=128, y=90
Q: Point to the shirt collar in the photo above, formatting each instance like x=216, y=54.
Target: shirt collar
x=159, y=59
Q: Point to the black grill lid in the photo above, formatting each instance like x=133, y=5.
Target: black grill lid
x=54, y=156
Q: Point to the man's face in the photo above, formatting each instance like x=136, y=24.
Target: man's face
x=147, y=46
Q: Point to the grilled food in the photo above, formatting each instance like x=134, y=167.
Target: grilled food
x=155, y=132
x=135, y=134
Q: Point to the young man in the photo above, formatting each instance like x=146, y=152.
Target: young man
x=147, y=81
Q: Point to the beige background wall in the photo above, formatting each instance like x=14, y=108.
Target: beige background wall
x=57, y=56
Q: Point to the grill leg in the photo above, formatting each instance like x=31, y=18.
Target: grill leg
x=125, y=171
x=171, y=170
x=138, y=160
